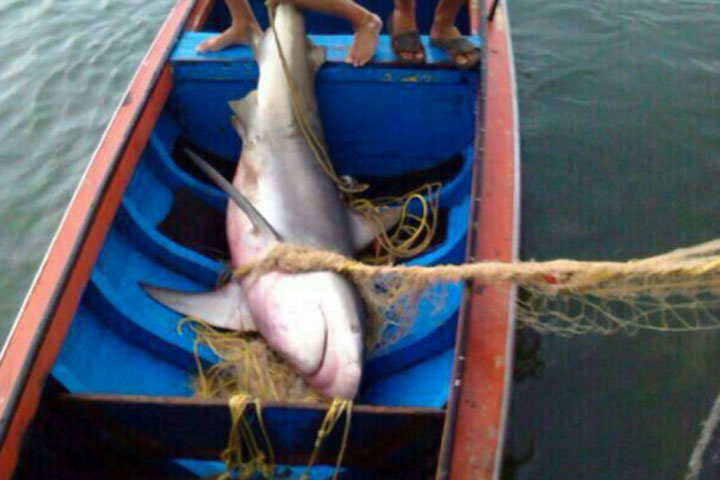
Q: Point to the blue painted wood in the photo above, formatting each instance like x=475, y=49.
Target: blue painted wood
x=425, y=384
x=176, y=178
x=95, y=359
x=371, y=115
x=177, y=257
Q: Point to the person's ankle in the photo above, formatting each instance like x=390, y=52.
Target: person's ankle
x=442, y=29
x=406, y=8
x=364, y=19
x=442, y=23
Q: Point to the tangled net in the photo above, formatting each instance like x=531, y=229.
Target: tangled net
x=247, y=365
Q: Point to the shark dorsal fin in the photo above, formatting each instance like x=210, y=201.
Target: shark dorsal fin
x=244, y=110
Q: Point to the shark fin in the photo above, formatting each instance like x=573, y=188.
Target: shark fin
x=256, y=39
x=317, y=56
x=244, y=109
x=238, y=198
x=223, y=308
x=364, y=230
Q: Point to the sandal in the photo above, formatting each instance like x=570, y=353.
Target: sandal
x=459, y=46
x=406, y=42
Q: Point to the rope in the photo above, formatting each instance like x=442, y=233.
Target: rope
x=334, y=413
x=553, y=276
x=241, y=435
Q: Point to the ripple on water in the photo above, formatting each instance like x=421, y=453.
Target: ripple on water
x=65, y=67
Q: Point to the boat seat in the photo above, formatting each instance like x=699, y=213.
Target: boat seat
x=373, y=113
x=154, y=430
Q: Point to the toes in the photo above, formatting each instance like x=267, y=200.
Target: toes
x=202, y=46
x=406, y=55
x=213, y=44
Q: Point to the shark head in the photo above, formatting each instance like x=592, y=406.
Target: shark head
x=314, y=322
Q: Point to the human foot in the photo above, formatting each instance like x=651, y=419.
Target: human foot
x=235, y=35
x=365, y=40
x=464, y=53
x=405, y=36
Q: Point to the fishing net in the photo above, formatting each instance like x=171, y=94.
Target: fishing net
x=246, y=365
x=248, y=374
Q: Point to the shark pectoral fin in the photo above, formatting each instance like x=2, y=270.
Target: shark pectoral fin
x=244, y=109
x=364, y=230
x=223, y=308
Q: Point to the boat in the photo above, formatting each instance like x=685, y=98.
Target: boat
x=95, y=378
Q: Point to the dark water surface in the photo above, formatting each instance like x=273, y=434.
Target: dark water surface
x=620, y=118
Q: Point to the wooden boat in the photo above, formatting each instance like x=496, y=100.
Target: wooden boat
x=95, y=379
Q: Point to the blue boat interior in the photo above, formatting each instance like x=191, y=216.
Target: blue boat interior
x=393, y=126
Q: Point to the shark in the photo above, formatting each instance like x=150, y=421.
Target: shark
x=314, y=321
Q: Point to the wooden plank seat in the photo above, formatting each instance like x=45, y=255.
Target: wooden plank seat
x=151, y=431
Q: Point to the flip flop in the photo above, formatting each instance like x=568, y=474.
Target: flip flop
x=406, y=42
x=459, y=46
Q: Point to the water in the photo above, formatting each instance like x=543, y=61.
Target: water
x=620, y=118
x=620, y=110
x=65, y=65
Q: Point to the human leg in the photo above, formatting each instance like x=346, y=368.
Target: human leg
x=244, y=25
x=404, y=31
x=445, y=34
x=366, y=25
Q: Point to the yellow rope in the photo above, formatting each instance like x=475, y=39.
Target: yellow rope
x=334, y=413
x=242, y=436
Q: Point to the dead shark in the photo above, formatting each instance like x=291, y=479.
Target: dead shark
x=313, y=320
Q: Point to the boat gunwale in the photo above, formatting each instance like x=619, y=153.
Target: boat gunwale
x=467, y=412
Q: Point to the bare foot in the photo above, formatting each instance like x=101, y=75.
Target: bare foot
x=438, y=33
x=402, y=22
x=235, y=35
x=365, y=40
